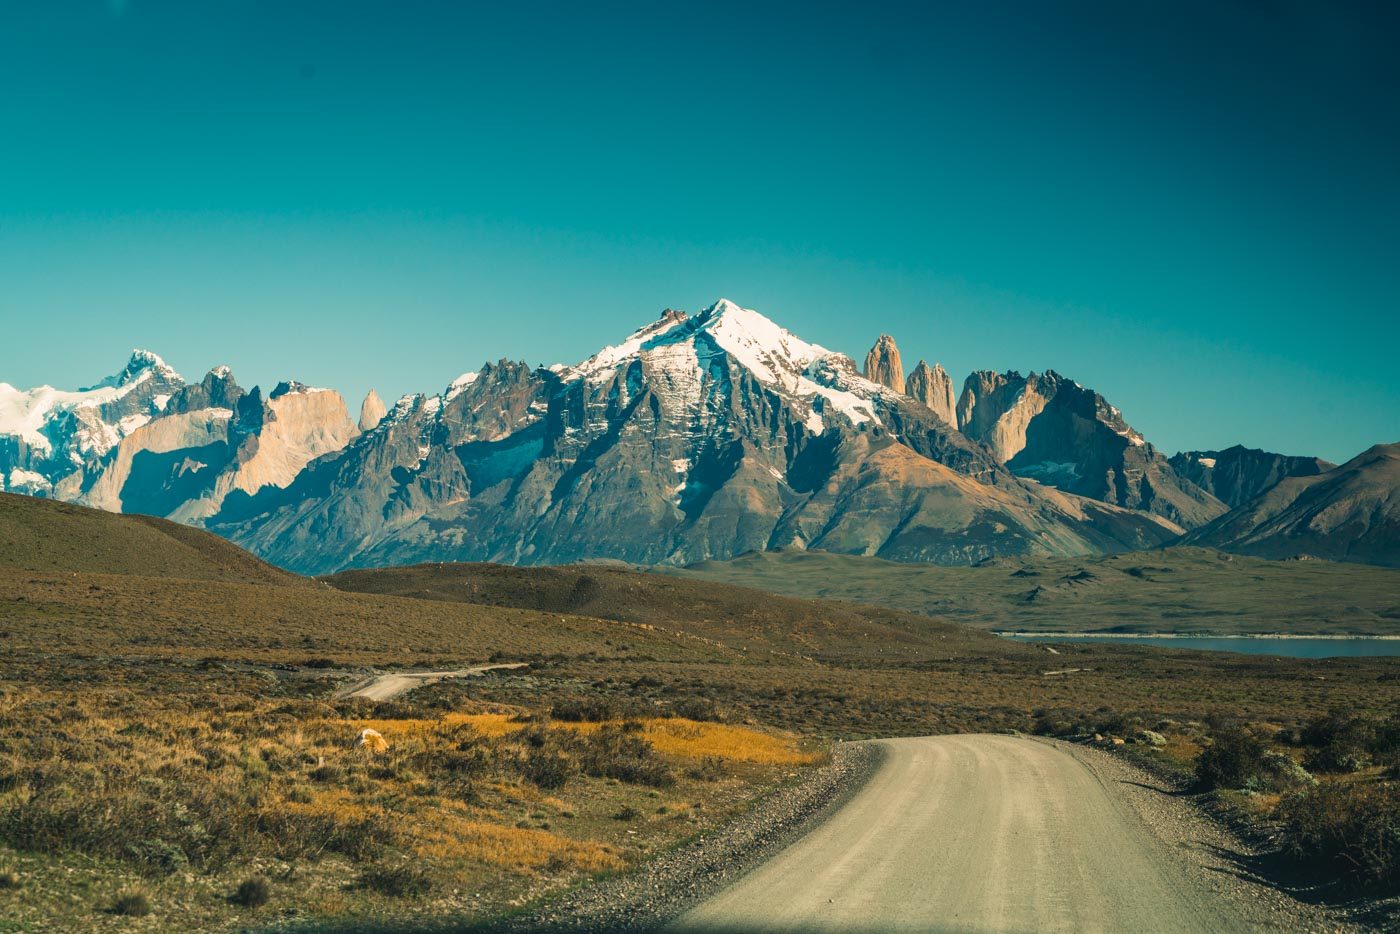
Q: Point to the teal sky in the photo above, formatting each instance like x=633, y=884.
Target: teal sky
x=1193, y=208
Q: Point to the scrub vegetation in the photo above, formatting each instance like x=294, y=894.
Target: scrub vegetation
x=171, y=731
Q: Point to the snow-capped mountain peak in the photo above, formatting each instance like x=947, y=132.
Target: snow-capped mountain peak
x=678, y=350
x=760, y=345
x=756, y=343
x=55, y=430
x=142, y=365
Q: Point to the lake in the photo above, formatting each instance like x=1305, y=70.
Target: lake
x=1248, y=645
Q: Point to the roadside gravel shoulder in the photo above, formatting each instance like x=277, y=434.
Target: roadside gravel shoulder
x=1206, y=851
x=650, y=895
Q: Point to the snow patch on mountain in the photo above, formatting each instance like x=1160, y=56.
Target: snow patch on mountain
x=27, y=482
x=459, y=386
x=601, y=365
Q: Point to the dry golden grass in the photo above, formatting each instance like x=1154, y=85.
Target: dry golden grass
x=522, y=849
x=690, y=739
x=670, y=736
x=198, y=786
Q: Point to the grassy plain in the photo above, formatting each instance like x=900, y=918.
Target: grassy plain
x=1174, y=590
x=169, y=727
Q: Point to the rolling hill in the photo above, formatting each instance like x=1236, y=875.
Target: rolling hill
x=741, y=618
x=45, y=535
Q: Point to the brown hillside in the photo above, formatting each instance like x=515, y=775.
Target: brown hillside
x=737, y=617
x=45, y=535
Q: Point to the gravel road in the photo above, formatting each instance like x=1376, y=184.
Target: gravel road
x=949, y=833
x=991, y=833
x=383, y=687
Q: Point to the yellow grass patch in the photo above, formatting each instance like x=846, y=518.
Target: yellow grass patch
x=336, y=803
x=687, y=739
x=450, y=837
x=489, y=725
x=1182, y=749
x=740, y=744
x=691, y=739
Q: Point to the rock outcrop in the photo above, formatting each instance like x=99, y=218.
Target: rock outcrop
x=1238, y=474
x=882, y=364
x=1348, y=513
x=1051, y=429
x=934, y=388
x=372, y=411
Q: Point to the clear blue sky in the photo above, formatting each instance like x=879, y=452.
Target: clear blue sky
x=1194, y=208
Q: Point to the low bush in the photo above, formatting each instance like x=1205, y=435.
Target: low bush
x=252, y=893
x=615, y=752
x=1338, y=743
x=131, y=904
x=1354, y=828
x=399, y=880
x=547, y=768
x=1235, y=759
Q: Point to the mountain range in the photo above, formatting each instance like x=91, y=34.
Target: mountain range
x=698, y=437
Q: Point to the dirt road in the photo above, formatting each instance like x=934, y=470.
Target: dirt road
x=383, y=687
x=973, y=833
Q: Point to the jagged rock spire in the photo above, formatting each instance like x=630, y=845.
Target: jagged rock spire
x=934, y=388
x=372, y=411
x=882, y=364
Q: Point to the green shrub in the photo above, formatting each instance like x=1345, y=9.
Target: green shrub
x=614, y=752
x=1234, y=760
x=401, y=880
x=1354, y=828
x=1338, y=743
x=131, y=904
x=547, y=768
x=252, y=893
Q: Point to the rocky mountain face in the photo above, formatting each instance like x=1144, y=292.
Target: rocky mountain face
x=934, y=388
x=1052, y=430
x=145, y=441
x=696, y=437
x=882, y=364
x=1348, y=513
x=1237, y=475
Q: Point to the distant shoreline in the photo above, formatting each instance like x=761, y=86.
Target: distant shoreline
x=1022, y=634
